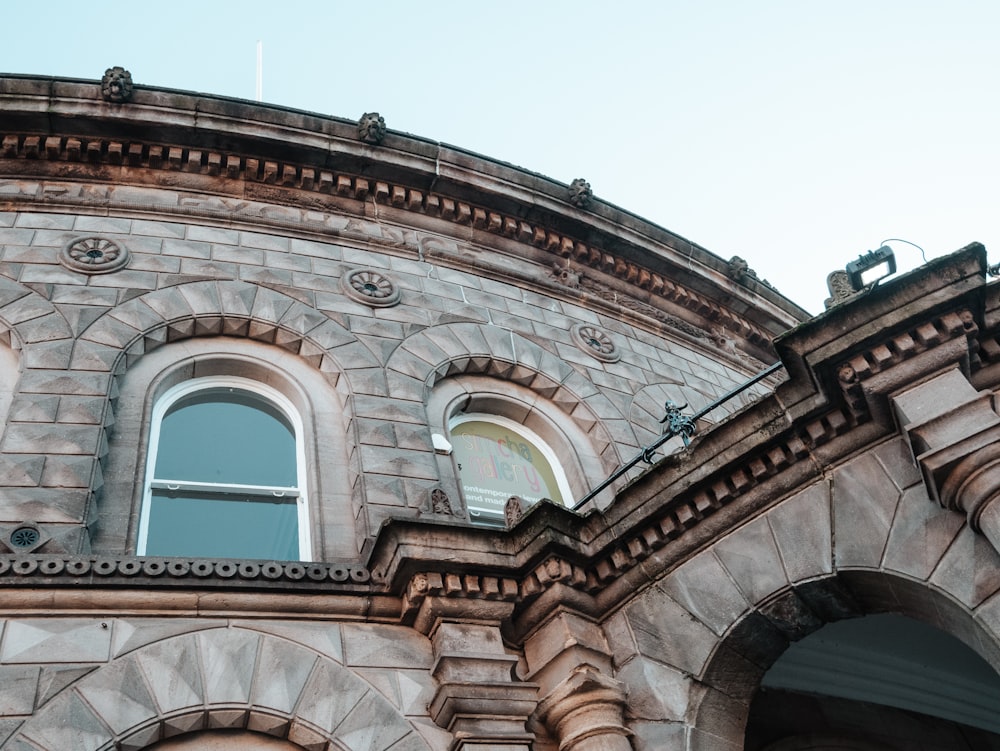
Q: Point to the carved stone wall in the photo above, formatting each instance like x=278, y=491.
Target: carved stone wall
x=383, y=277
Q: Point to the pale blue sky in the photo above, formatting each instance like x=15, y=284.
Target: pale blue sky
x=796, y=134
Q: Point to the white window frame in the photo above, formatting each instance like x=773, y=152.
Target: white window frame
x=537, y=441
x=277, y=400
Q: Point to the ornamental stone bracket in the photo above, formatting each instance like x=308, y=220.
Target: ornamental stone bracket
x=954, y=434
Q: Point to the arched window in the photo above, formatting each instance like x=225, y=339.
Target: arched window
x=224, y=474
x=498, y=458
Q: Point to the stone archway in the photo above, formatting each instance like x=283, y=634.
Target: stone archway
x=224, y=740
x=693, y=647
x=225, y=679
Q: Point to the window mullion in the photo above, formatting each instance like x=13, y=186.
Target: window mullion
x=220, y=487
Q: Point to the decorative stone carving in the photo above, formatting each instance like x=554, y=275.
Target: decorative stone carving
x=116, y=85
x=587, y=711
x=440, y=503
x=370, y=287
x=371, y=128
x=738, y=269
x=839, y=284
x=564, y=274
x=596, y=342
x=93, y=255
x=514, y=510
x=25, y=537
x=580, y=193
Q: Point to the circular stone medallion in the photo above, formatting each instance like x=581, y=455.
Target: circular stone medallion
x=93, y=255
x=370, y=287
x=596, y=342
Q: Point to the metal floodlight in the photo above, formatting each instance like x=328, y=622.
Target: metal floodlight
x=872, y=267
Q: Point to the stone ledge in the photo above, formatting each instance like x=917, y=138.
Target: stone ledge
x=214, y=573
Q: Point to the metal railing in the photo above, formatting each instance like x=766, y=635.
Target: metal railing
x=677, y=424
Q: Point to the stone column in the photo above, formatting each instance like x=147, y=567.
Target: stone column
x=954, y=433
x=582, y=706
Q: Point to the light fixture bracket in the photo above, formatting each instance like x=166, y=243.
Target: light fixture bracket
x=857, y=270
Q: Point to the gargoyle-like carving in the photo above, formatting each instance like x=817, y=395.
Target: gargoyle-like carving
x=564, y=273
x=116, y=85
x=738, y=269
x=677, y=423
x=371, y=128
x=580, y=193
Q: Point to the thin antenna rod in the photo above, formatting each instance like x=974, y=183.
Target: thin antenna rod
x=260, y=71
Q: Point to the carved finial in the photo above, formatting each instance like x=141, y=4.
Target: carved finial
x=440, y=503
x=839, y=284
x=513, y=510
x=371, y=128
x=580, y=193
x=116, y=85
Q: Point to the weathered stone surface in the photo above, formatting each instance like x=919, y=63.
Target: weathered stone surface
x=18, y=689
x=703, y=587
x=751, y=557
x=802, y=531
x=666, y=632
x=656, y=692
x=65, y=640
x=864, y=503
x=384, y=646
x=118, y=695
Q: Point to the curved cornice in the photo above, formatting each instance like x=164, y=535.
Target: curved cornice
x=59, y=128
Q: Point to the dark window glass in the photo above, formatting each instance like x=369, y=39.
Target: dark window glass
x=213, y=525
x=226, y=436
x=225, y=479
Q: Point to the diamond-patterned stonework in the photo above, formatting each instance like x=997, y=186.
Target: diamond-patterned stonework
x=93, y=255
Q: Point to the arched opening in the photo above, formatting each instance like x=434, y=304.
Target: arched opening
x=737, y=675
x=224, y=473
x=886, y=680
x=224, y=740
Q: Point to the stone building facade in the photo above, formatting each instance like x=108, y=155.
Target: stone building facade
x=415, y=334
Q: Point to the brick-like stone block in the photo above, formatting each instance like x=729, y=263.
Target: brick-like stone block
x=666, y=632
x=864, y=503
x=803, y=533
x=44, y=640
x=704, y=588
x=372, y=645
